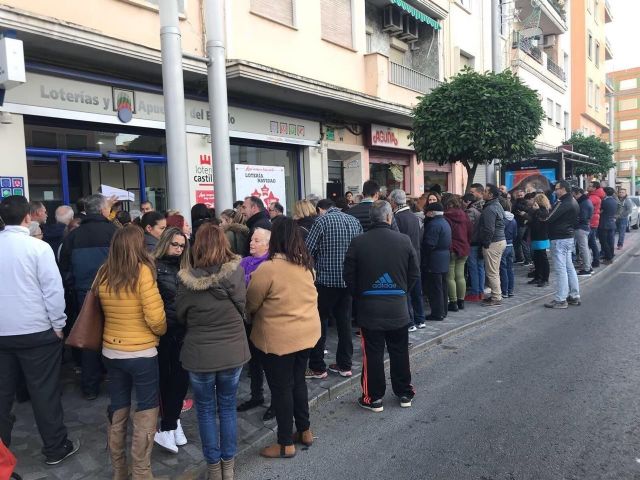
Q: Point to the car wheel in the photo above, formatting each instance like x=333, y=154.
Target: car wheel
x=637, y=225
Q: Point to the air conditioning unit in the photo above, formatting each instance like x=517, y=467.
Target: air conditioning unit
x=549, y=41
x=409, y=28
x=392, y=20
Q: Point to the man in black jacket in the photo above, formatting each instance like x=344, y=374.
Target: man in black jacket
x=435, y=256
x=521, y=244
x=409, y=224
x=83, y=252
x=562, y=221
x=379, y=282
x=256, y=216
x=607, y=225
x=370, y=192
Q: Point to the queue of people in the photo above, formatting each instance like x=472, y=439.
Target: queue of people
x=188, y=304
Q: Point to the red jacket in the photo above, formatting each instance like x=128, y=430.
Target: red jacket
x=461, y=231
x=596, y=198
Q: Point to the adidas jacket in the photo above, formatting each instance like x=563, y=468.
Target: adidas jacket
x=379, y=269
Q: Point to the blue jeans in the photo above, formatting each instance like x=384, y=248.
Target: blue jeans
x=128, y=373
x=621, y=228
x=416, y=303
x=507, y=278
x=565, y=273
x=593, y=245
x=476, y=270
x=216, y=392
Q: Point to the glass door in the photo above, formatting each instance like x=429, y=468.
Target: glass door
x=45, y=183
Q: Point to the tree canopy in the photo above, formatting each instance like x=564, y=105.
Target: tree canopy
x=600, y=152
x=474, y=118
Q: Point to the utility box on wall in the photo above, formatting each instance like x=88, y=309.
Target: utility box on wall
x=12, y=71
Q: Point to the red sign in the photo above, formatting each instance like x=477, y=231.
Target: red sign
x=207, y=197
x=205, y=159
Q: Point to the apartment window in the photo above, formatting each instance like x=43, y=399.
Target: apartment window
x=597, y=98
x=466, y=61
x=629, y=144
x=549, y=111
x=597, y=54
x=558, y=115
x=590, y=46
x=628, y=124
x=336, y=21
x=590, y=93
x=628, y=84
x=628, y=104
x=281, y=11
x=567, y=129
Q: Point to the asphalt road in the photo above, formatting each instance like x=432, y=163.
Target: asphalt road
x=545, y=394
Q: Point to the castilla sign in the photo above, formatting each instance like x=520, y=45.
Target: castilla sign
x=389, y=137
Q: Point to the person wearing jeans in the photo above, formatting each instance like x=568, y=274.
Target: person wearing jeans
x=507, y=277
x=210, y=304
x=622, y=222
x=561, y=223
x=596, y=195
x=583, y=230
x=475, y=262
x=607, y=226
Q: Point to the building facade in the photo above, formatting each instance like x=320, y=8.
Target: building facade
x=322, y=91
x=625, y=85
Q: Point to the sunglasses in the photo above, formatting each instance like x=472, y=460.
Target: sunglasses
x=177, y=245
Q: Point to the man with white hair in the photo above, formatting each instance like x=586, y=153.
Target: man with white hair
x=409, y=224
x=54, y=233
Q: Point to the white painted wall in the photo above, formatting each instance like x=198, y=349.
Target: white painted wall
x=13, y=157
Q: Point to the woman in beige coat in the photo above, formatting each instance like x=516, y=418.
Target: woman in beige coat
x=282, y=300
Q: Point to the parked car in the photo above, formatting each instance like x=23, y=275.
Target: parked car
x=634, y=218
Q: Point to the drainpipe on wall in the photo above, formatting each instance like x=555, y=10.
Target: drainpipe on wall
x=493, y=172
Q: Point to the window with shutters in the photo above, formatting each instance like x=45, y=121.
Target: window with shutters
x=336, y=22
x=281, y=11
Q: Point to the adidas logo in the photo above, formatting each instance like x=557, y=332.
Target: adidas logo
x=384, y=281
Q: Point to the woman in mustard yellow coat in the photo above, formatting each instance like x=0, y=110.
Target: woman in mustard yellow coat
x=134, y=319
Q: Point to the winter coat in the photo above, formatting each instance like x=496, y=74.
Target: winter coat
x=563, y=218
x=53, y=234
x=133, y=321
x=520, y=205
x=596, y=198
x=538, y=227
x=474, y=216
x=361, y=212
x=282, y=301
x=586, y=212
x=608, y=214
x=510, y=228
x=238, y=237
x=626, y=207
x=435, y=245
x=167, y=269
x=83, y=252
x=207, y=304
x=461, y=231
x=491, y=224
x=150, y=242
x=305, y=224
x=409, y=224
x=380, y=267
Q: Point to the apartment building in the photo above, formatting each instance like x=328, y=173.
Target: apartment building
x=589, y=51
x=626, y=118
x=323, y=89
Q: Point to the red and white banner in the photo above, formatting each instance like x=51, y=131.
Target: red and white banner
x=262, y=181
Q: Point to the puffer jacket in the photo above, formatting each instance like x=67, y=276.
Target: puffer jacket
x=491, y=224
x=133, y=321
x=238, y=237
x=167, y=269
x=474, y=215
x=209, y=303
x=596, y=198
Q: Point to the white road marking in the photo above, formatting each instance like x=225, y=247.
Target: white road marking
x=631, y=273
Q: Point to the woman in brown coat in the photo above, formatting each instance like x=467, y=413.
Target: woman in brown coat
x=282, y=300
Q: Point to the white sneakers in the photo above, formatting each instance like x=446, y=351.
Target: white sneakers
x=172, y=439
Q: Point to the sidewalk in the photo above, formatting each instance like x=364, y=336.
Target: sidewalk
x=87, y=420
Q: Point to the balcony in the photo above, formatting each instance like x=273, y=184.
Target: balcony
x=411, y=79
x=531, y=50
x=608, y=53
x=608, y=18
x=553, y=15
x=554, y=68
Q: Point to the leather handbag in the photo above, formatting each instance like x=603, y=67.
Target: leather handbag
x=89, y=326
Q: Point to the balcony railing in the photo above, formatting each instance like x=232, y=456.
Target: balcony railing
x=532, y=51
x=559, y=8
x=411, y=79
x=554, y=68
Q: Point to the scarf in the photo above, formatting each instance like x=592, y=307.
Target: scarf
x=250, y=264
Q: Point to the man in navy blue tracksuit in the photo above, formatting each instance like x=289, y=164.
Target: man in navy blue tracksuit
x=379, y=283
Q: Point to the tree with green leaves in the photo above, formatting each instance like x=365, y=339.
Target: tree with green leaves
x=600, y=152
x=474, y=118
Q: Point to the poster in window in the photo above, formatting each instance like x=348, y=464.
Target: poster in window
x=263, y=181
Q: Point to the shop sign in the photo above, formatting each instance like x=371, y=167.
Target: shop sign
x=60, y=96
x=11, y=186
x=390, y=137
x=262, y=181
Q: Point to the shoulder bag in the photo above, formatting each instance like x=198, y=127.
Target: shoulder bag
x=88, y=328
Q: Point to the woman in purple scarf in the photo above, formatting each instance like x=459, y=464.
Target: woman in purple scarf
x=259, y=250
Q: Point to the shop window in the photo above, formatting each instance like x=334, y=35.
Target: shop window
x=42, y=139
x=45, y=183
x=388, y=175
x=436, y=178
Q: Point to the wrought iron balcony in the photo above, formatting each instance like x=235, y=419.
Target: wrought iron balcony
x=411, y=79
x=532, y=51
x=554, y=68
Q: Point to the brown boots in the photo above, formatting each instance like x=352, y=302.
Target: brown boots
x=278, y=451
x=305, y=438
x=214, y=471
x=117, y=440
x=227, y=469
x=144, y=429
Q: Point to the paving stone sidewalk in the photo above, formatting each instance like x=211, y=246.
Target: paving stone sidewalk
x=86, y=420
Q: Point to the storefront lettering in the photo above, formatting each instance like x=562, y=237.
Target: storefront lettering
x=202, y=114
x=381, y=137
x=203, y=175
x=71, y=97
x=149, y=107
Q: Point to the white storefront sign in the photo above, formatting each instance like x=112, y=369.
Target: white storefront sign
x=262, y=181
x=390, y=137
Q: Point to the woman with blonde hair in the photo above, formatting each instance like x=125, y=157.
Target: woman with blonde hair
x=236, y=231
x=539, y=238
x=304, y=213
x=134, y=319
x=210, y=304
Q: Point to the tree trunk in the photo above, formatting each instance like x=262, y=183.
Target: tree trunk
x=471, y=172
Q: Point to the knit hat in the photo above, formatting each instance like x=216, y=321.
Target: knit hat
x=175, y=221
x=435, y=207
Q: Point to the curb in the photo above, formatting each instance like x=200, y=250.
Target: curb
x=346, y=385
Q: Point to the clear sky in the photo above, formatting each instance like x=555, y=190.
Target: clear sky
x=623, y=34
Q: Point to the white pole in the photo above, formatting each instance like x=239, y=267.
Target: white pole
x=217, y=83
x=633, y=175
x=175, y=121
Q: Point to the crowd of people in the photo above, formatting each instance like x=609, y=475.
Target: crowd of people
x=188, y=301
